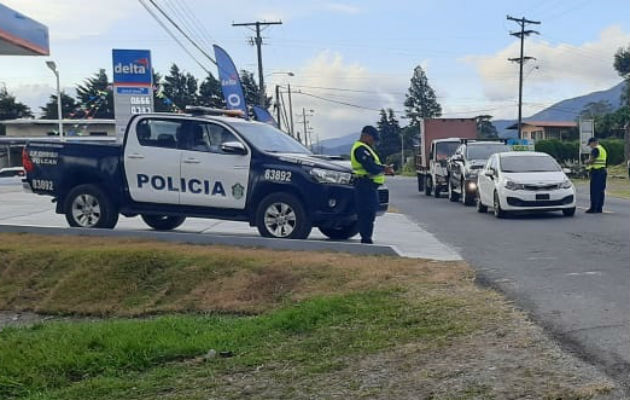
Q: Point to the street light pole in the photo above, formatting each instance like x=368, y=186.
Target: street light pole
x=53, y=68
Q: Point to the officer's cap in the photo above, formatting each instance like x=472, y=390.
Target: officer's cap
x=370, y=130
x=592, y=140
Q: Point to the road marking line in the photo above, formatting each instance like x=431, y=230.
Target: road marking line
x=587, y=273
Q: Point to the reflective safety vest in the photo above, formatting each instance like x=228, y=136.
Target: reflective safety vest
x=357, y=167
x=600, y=161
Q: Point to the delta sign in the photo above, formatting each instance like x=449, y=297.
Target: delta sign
x=133, y=86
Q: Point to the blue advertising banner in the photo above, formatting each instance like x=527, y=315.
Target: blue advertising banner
x=230, y=81
x=132, y=67
x=263, y=115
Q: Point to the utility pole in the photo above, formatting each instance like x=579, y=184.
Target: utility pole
x=304, y=121
x=278, y=107
x=521, y=61
x=259, y=42
x=292, y=128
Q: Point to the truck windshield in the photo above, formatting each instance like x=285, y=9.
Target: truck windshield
x=529, y=164
x=484, y=151
x=267, y=138
x=444, y=150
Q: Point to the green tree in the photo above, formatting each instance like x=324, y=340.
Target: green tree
x=389, y=132
x=485, y=128
x=421, y=101
x=95, y=96
x=68, y=107
x=210, y=93
x=160, y=103
x=11, y=109
x=252, y=91
x=180, y=88
x=622, y=65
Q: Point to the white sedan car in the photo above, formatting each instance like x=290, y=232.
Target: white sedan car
x=524, y=181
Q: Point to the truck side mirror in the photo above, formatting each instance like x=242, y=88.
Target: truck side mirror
x=233, y=148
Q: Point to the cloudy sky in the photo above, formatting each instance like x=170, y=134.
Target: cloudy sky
x=356, y=52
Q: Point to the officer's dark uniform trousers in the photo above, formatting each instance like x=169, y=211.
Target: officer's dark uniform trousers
x=366, y=199
x=598, y=188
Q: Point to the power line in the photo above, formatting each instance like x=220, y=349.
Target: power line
x=182, y=32
x=172, y=35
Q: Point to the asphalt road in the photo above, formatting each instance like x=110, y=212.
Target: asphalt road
x=571, y=274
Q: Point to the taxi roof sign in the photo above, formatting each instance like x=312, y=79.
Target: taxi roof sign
x=21, y=35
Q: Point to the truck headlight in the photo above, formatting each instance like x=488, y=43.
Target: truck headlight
x=565, y=184
x=330, y=176
x=510, y=185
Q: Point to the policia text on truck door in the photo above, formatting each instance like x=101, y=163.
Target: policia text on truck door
x=173, y=166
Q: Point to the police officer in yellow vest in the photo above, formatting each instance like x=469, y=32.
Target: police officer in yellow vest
x=597, y=170
x=370, y=174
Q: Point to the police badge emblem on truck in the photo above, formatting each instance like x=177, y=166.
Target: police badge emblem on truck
x=237, y=191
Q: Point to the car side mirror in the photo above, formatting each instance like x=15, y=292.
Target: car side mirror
x=489, y=173
x=234, y=148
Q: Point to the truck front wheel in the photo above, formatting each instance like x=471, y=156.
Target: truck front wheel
x=427, y=186
x=342, y=232
x=162, y=222
x=281, y=215
x=87, y=206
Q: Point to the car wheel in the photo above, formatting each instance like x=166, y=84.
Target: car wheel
x=427, y=186
x=466, y=199
x=341, y=233
x=420, y=183
x=569, y=212
x=87, y=206
x=498, y=212
x=480, y=207
x=281, y=215
x=452, y=196
x=162, y=222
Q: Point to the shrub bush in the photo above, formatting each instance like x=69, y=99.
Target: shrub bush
x=564, y=151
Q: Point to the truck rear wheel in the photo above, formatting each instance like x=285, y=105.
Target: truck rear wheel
x=281, y=215
x=162, y=222
x=420, y=182
x=341, y=233
x=87, y=206
x=427, y=186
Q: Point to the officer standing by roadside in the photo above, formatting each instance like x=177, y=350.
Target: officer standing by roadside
x=370, y=174
x=596, y=165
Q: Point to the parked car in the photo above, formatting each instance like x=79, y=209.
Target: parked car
x=463, y=166
x=11, y=172
x=524, y=181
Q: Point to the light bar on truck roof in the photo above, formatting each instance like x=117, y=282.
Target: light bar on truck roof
x=201, y=110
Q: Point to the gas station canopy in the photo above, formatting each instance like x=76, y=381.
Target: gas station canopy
x=20, y=35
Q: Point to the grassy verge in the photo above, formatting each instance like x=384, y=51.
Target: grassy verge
x=296, y=325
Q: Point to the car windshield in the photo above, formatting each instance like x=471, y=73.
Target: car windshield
x=484, y=151
x=267, y=138
x=445, y=149
x=529, y=164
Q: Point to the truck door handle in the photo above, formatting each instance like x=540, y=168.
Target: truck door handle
x=192, y=161
x=135, y=156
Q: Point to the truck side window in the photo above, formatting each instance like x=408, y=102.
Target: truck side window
x=207, y=137
x=159, y=133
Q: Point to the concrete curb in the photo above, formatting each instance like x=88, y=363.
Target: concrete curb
x=206, y=238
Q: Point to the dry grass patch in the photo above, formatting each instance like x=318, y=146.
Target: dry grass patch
x=86, y=275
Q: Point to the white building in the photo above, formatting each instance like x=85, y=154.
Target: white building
x=30, y=127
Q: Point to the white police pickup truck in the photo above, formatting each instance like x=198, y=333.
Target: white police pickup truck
x=173, y=166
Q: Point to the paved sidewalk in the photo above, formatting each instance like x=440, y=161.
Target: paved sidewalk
x=392, y=231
